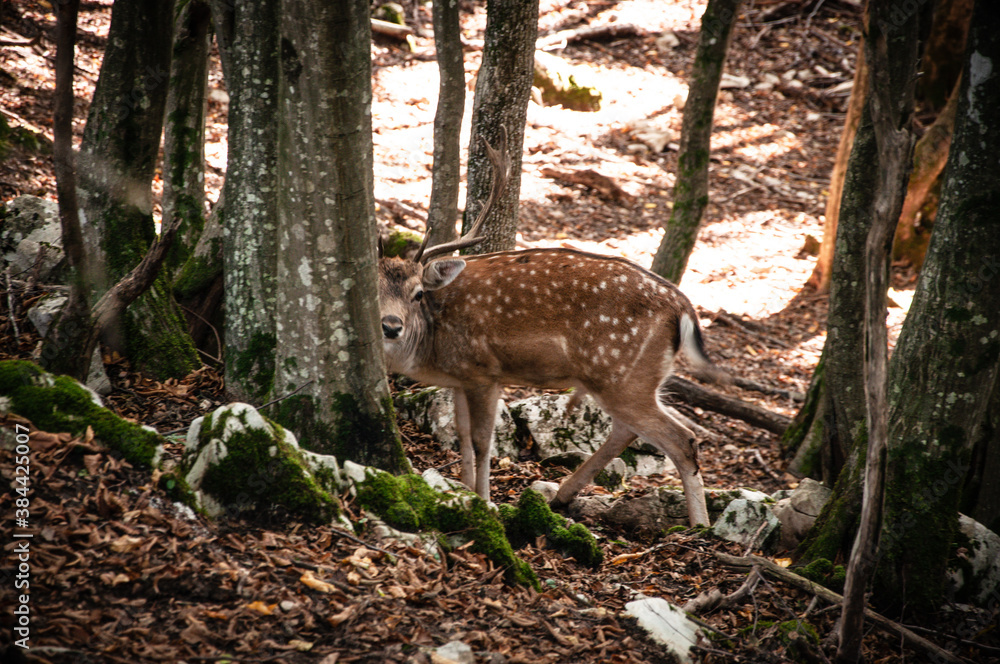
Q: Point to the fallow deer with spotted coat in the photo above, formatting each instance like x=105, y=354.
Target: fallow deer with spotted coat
x=554, y=318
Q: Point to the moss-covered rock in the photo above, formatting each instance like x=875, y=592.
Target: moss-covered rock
x=408, y=503
x=825, y=573
x=239, y=461
x=61, y=404
x=532, y=517
x=565, y=85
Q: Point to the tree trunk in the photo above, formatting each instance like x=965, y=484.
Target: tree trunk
x=117, y=161
x=946, y=362
x=981, y=498
x=691, y=189
x=891, y=52
x=929, y=158
x=443, y=210
x=859, y=95
x=843, y=429
x=329, y=330
x=184, y=134
x=249, y=218
x=944, y=51
x=502, y=92
x=61, y=350
x=200, y=285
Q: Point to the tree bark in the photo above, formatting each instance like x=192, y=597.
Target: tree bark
x=327, y=307
x=691, y=189
x=442, y=212
x=982, y=491
x=843, y=429
x=891, y=52
x=859, y=95
x=61, y=350
x=117, y=161
x=249, y=218
x=929, y=158
x=184, y=134
x=501, y=100
x=200, y=285
x=945, y=365
x=944, y=52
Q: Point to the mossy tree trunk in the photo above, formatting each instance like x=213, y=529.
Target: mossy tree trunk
x=691, y=189
x=248, y=36
x=501, y=100
x=184, y=134
x=842, y=427
x=327, y=305
x=199, y=285
x=859, y=95
x=946, y=362
x=117, y=161
x=442, y=212
x=61, y=350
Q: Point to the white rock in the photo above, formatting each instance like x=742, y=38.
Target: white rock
x=31, y=224
x=41, y=316
x=981, y=579
x=547, y=489
x=742, y=522
x=734, y=81
x=799, y=511
x=667, y=41
x=456, y=651
x=666, y=624
x=439, y=482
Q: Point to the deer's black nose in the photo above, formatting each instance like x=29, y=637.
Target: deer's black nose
x=392, y=326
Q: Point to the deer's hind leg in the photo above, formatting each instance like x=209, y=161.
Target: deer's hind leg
x=617, y=441
x=650, y=421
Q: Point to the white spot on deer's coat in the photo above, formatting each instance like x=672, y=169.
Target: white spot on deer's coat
x=604, y=285
x=604, y=319
x=615, y=352
x=586, y=323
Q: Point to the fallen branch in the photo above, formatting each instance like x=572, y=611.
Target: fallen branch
x=608, y=31
x=602, y=184
x=741, y=410
x=391, y=29
x=781, y=574
x=714, y=599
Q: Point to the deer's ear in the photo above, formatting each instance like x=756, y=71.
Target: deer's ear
x=440, y=273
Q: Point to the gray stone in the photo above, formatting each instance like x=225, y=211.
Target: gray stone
x=798, y=512
x=666, y=624
x=977, y=578
x=655, y=511
x=433, y=411
x=456, y=651
x=749, y=523
x=32, y=224
x=41, y=316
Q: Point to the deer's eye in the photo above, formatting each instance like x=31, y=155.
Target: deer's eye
x=419, y=295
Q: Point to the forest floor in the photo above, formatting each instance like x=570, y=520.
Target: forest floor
x=121, y=575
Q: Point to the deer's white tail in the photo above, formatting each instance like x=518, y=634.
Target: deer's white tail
x=693, y=347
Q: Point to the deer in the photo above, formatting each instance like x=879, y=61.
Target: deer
x=551, y=318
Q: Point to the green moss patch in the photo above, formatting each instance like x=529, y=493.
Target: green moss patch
x=825, y=573
x=408, y=503
x=533, y=517
x=259, y=470
x=60, y=404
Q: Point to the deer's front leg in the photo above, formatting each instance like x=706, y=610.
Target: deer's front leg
x=464, y=431
x=481, y=405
